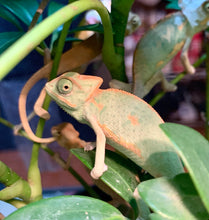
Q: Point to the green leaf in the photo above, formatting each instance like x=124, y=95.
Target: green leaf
x=173, y=4
x=67, y=207
x=8, y=38
x=155, y=216
x=174, y=198
x=23, y=10
x=121, y=175
x=53, y=7
x=193, y=148
x=6, y=15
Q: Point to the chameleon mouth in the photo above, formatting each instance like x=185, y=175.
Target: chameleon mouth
x=49, y=89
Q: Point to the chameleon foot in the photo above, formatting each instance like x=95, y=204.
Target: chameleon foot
x=191, y=70
x=89, y=146
x=168, y=87
x=96, y=173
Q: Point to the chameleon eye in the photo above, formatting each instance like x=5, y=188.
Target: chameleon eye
x=64, y=86
x=206, y=6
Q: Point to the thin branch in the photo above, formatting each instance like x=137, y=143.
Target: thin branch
x=38, y=13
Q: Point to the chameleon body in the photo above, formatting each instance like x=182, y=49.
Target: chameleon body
x=121, y=119
x=161, y=43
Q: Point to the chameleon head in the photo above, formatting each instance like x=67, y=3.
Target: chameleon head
x=196, y=12
x=71, y=90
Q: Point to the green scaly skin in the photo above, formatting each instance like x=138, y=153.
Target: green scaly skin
x=158, y=46
x=119, y=118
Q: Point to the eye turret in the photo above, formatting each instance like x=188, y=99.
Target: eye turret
x=64, y=86
x=206, y=6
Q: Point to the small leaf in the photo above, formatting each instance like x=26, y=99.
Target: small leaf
x=8, y=38
x=193, y=148
x=67, y=207
x=173, y=4
x=174, y=198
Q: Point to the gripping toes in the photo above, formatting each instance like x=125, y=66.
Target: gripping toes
x=97, y=172
x=191, y=69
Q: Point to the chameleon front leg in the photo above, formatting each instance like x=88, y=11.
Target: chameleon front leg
x=99, y=166
x=185, y=59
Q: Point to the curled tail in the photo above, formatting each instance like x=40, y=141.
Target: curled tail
x=22, y=107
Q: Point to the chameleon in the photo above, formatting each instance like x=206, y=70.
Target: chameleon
x=118, y=118
x=90, y=48
x=161, y=43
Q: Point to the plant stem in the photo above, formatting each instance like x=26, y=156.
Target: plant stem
x=176, y=80
x=119, y=15
x=63, y=164
x=59, y=160
x=15, y=185
x=39, y=11
x=59, y=49
x=207, y=92
x=34, y=176
x=32, y=38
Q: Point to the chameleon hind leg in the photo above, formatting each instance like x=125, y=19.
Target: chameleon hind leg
x=185, y=58
x=142, y=90
x=167, y=86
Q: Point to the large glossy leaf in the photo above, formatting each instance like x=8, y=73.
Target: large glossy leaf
x=194, y=151
x=155, y=216
x=121, y=175
x=22, y=9
x=174, y=198
x=5, y=14
x=67, y=208
x=8, y=38
x=53, y=7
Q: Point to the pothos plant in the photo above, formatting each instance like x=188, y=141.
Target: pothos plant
x=183, y=197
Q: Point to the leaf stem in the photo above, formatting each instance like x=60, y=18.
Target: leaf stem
x=207, y=91
x=15, y=185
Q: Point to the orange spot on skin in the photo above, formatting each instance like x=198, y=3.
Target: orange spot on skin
x=98, y=105
x=134, y=120
x=160, y=63
x=111, y=135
